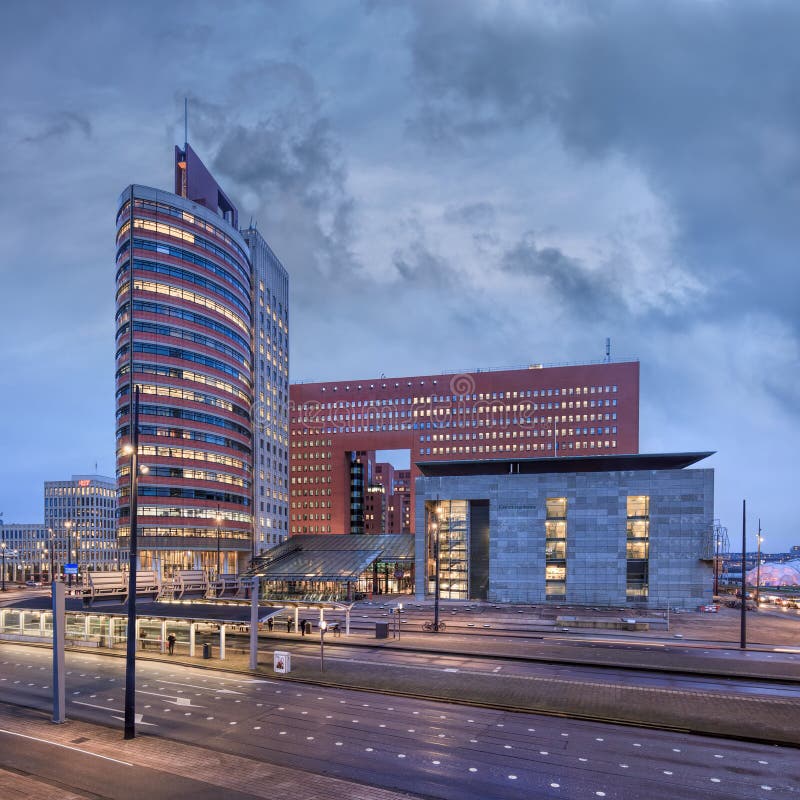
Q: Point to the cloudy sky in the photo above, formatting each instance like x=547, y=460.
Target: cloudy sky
x=451, y=184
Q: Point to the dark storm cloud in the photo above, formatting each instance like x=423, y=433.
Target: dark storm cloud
x=418, y=266
x=60, y=124
x=702, y=96
x=574, y=288
x=285, y=158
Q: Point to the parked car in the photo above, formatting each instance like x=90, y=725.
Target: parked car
x=33, y=583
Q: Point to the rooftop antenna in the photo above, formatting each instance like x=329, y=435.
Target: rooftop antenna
x=185, y=121
x=608, y=350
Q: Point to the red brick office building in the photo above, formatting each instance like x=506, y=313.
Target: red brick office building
x=336, y=427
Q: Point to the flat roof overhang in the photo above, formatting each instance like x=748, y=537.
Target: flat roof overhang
x=535, y=466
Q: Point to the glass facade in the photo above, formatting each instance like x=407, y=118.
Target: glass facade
x=556, y=548
x=448, y=529
x=637, y=548
x=184, y=327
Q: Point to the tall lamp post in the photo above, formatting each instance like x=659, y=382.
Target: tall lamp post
x=759, y=539
x=437, y=563
x=52, y=548
x=3, y=578
x=218, y=520
x=68, y=526
x=130, y=653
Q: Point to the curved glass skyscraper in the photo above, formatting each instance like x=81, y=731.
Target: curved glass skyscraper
x=184, y=336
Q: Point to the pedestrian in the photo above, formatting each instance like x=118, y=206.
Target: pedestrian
x=270, y=624
x=171, y=643
x=302, y=627
x=143, y=637
x=288, y=624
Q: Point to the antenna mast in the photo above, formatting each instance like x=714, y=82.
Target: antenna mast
x=185, y=121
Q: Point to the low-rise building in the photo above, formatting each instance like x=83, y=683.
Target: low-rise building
x=586, y=530
x=27, y=554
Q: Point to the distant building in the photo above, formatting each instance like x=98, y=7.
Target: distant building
x=387, y=502
x=585, y=530
x=337, y=426
x=80, y=516
x=26, y=551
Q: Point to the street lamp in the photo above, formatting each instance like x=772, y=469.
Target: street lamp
x=218, y=520
x=399, y=609
x=3, y=578
x=437, y=564
x=323, y=626
x=68, y=526
x=132, y=449
x=759, y=539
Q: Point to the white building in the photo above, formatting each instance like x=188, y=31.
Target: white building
x=271, y=394
x=80, y=515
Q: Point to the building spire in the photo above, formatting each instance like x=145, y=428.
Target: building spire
x=185, y=121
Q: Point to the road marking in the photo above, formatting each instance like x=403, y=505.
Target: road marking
x=138, y=717
x=178, y=701
x=194, y=686
x=66, y=747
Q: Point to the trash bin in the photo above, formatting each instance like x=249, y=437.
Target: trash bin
x=206, y=650
x=381, y=630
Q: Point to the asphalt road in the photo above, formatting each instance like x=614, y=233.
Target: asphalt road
x=437, y=750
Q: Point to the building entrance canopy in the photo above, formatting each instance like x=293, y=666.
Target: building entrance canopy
x=314, y=567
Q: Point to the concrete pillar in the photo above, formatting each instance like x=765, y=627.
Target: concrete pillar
x=22, y=622
x=222, y=642
x=42, y=625
x=59, y=624
x=137, y=630
x=321, y=614
x=191, y=638
x=2, y=619
x=347, y=621
x=163, y=636
x=296, y=617
x=111, y=631
x=87, y=626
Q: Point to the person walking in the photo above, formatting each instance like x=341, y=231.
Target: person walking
x=143, y=638
x=288, y=624
x=270, y=624
x=171, y=643
x=302, y=627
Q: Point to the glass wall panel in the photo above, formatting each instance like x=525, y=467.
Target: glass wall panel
x=448, y=528
x=555, y=553
x=638, y=548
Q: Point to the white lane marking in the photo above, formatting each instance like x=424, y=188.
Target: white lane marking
x=194, y=686
x=137, y=717
x=66, y=747
x=178, y=701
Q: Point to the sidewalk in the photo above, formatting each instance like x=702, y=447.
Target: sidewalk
x=230, y=773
